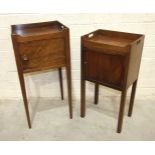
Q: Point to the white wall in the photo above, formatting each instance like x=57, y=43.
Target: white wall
x=46, y=84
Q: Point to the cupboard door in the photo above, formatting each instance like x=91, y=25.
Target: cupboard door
x=111, y=69
x=104, y=68
x=36, y=55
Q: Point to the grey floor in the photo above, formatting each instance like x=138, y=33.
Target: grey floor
x=51, y=122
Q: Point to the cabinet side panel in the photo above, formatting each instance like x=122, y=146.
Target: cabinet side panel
x=135, y=60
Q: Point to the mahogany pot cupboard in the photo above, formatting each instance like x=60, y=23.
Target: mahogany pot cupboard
x=39, y=47
x=111, y=59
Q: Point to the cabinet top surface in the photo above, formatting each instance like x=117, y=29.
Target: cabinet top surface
x=114, y=38
x=37, y=28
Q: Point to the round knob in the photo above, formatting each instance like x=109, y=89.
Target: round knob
x=85, y=62
x=25, y=58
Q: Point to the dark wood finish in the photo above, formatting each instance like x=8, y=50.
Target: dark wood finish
x=121, y=111
x=83, y=85
x=61, y=83
x=23, y=90
x=112, y=59
x=133, y=92
x=22, y=83
x=96, y=93
x=96, y=62
x=32, y=54
x=39, y=47
x=83, y=105
x=68, y=72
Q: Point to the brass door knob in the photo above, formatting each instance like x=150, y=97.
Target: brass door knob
x=25, y=58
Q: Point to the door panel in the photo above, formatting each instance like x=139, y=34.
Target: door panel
x=42, y=53
x=110, y=68
x=104, y=68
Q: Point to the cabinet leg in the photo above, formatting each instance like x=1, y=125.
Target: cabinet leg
x=61, y=83
x=96, y=93
x=83, y=104
x=23, y=90
x=69, y=85
x=121, y=111
x=133, y=92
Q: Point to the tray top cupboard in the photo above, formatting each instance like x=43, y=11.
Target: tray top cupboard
x=40, y=46
x=111, y=59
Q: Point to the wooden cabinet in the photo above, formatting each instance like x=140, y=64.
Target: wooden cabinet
x=111, y=59
x=39, y=47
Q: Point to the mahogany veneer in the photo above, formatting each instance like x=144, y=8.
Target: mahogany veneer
x=42, y=46
x=111, y=59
